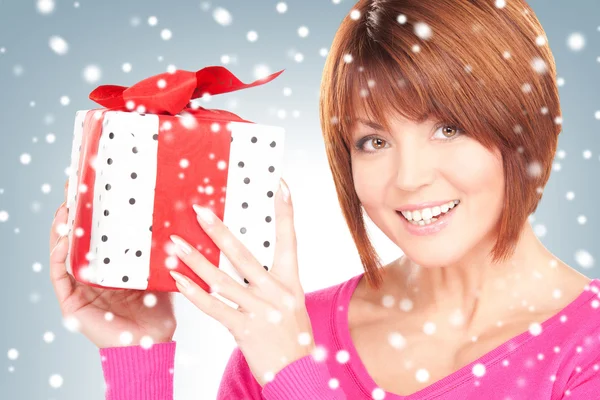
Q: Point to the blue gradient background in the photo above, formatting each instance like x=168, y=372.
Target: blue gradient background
x=102, y=33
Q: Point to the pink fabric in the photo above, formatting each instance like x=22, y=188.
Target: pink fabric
x=562, y=361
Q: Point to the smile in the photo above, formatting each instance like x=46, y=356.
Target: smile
x=429, y=215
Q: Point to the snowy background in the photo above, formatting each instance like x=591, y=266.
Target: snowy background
x=53, y=53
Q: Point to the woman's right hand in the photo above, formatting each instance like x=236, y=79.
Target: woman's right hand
x=108, y=317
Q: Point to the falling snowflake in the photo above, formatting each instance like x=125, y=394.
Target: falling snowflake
x=166, y=34
x=92, y=74
x=56, y=381
x=13, y=354
x=281, y=7
x=45, y=6
x=584, y=259
x=576, y=41
x=58, y=45
x=222, y=16
x=423, y=31
x=252, y=36
x=303, y=31
x=48, y=337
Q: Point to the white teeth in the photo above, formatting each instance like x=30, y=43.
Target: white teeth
x=416, y=215
x=427, y=215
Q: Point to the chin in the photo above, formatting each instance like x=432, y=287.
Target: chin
x=426, y=257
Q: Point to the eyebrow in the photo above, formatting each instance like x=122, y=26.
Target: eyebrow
x=371, y=124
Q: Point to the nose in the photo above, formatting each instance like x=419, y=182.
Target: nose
x=414, y=168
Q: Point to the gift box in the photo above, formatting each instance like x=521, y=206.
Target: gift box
x=139, y=164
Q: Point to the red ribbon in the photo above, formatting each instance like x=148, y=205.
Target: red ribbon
x=171, y=93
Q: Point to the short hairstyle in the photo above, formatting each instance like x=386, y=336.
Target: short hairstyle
x=486, y=69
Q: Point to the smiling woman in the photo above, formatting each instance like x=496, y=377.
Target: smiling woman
x=440, y=121
x=472, y=65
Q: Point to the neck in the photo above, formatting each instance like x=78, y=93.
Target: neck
x=473, y=295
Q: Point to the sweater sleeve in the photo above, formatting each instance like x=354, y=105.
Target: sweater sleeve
x=136, y=373
x=303, y=379
x=237, y=381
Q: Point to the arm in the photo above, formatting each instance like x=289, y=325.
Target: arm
x=135, y=373
x=303, y=379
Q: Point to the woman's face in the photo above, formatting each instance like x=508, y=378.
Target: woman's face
x=420, y=171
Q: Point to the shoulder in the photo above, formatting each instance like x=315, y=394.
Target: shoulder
x=322, y=298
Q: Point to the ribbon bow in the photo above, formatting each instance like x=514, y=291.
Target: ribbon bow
x=171, y=93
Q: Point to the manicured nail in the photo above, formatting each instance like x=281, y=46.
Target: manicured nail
x=181, y=245
x=204, y=214
x=181, y=279
x=285, y=191
x=59, y=208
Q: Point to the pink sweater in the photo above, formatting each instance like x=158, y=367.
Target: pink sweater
x=561, y=362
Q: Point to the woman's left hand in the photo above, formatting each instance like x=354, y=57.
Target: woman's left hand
x=271, y=326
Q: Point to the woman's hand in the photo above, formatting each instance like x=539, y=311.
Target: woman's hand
x=108, y=317
x=271, y=326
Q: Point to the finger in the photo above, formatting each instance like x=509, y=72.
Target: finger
x=62, y=282
x=210, y=305
x=217, y=280
x=59, y=225
x=285, y=260
x=235, y=251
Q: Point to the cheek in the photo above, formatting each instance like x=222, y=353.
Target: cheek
x=475, y=171
x=367, y=189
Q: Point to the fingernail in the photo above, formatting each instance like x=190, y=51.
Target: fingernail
x=181, y=279
x=59, y=208
x=204, y=214
x=285, y=191
x=181, y=245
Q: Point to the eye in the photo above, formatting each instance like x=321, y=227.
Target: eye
x=447, y=132
x=376, y=143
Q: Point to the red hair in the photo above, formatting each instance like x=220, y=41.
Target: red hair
x=485, y=69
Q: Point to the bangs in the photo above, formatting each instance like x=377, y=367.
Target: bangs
x=380, y=88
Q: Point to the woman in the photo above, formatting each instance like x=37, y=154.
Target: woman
x=440, y=121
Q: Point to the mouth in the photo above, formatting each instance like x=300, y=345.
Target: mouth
x=430, y=215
